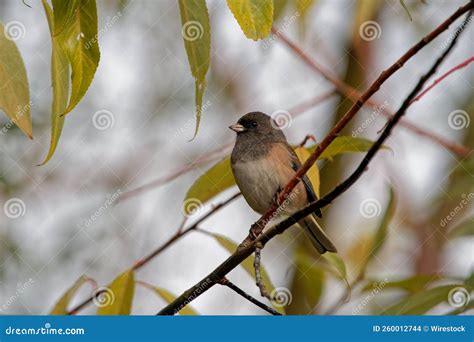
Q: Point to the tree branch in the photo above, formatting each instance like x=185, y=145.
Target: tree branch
x=353, y=94
x=226, y=282
x=179, y=234
x=250, y=243
x=438, y=80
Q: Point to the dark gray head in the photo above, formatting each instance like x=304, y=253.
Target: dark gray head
x=258, y=126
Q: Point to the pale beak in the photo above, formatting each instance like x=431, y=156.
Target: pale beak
x=237, y=128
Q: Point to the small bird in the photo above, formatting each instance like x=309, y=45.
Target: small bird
x=263, y=163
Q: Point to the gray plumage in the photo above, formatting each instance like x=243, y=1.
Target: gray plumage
x=263, y=163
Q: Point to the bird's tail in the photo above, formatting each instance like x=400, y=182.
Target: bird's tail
x=319, y=239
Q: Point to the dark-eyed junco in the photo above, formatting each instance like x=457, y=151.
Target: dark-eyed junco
x=263, y=163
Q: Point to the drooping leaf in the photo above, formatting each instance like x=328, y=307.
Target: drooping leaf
x=121, y=290
x=14, y=91
x=381, y=232
x=60, y=83
x=64, y=12
x=255, y=17
x=412, y=284
x=345, y=144
x=60, y=308
x=421, y=302
x=79, y=39
x=196, y=33
x=219, y=177
x=463, y=229
x=313, y=172
x=306, y=286
x=169, y=297
x=279, y=7
x=406, y=9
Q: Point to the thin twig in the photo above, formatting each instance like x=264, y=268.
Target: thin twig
x=246, y=249
x=258, y=274
x=178, y=235
x=226, y=282
x=446, y=74
x=354, y=94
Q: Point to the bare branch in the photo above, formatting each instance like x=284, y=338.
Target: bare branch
x=226, y=282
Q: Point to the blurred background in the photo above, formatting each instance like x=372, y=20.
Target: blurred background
x=144, y=87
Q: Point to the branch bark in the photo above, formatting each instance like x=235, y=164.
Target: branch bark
x=253, y=240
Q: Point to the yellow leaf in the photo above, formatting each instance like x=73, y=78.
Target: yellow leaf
x=14, y=92
x=120, y=293
x=255, y=17
x=60, y=84
x=60, y=308
x=196, y=32
x=313, y=172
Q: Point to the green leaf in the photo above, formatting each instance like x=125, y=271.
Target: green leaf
x=64, y=13
x=345, y=144
x=14, y=91
x=313, y=172
x=60, y=84
x=196, y=32
x=421, y=302
x=79, y=39
x=406, y=9
x=121, y=290
x=60, y=308
x=412, y=284
x=463, y=229
x=306, y=286
x=303, y=8
x=279, y=7
x=381, y=232
x=169, y=297
x=255, y=17
x=219, y=177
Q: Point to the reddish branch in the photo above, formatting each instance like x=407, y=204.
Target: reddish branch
x=438, y=80
x=253, y=240
x=355, y=95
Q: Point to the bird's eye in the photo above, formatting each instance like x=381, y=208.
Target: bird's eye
x=254, y=123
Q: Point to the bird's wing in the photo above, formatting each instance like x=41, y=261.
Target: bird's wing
x=307, y=184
